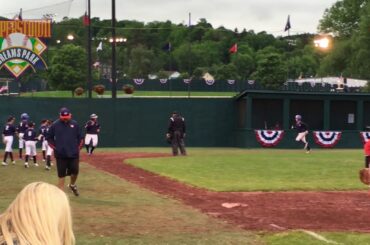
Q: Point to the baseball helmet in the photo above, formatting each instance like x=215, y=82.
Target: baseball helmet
x=93, y=116
x=298, y=117
x=25, y=116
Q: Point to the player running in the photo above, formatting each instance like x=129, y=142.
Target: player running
x=92, y=128
x=21, y=128
x=302, y=129
x=30, y=138
x=8, y=137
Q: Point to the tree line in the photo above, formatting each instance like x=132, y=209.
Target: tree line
x=157, y=48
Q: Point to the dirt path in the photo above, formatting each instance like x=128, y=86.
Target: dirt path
x=328, y=211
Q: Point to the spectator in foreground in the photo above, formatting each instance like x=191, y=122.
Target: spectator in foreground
x=40, y=214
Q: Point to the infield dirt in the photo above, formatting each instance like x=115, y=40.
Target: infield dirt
x=319, y=211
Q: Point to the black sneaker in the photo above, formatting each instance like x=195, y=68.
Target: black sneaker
x=74, y=190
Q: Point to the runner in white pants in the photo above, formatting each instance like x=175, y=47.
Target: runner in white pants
x=30, y=138
x=49, y=150
x=302, y=129
x=92, y=128
x=8, y=137
x=21, y=128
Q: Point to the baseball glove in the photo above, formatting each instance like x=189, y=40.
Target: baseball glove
x=365, y=176
x=168, y=138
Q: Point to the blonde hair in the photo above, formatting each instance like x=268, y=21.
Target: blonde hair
x=40, y=214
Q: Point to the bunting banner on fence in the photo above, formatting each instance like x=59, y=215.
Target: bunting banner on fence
x=313, y=84
x=251, y=82
x=163, y=81
x=231, y=82
x=269, y=138
x=139, y=81
x=187, y=81
x=327, y=139
x=210, y=82
x=365, y=136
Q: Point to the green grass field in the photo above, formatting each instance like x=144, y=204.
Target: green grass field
x=112, y=211
x=107, y=94
x=262, y=170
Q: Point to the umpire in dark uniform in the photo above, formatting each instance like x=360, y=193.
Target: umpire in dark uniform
x=176, y=133
x=65, y=138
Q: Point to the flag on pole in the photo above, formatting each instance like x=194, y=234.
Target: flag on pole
x=20, y=15
x=287, y=25
x=86, y=20
x=100, y=47
x=234, y=49
x=167, y=47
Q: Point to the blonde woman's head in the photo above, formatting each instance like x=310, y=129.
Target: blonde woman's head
x=40, y=214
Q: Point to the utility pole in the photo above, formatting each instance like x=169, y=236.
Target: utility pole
x=114, y=69
x=89, y=58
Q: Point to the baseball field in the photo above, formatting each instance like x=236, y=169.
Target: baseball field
x=212, y=196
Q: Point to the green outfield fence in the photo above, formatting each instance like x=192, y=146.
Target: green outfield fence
x=211, y=122
x=136, y=122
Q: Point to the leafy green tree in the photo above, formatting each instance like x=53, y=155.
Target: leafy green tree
x=67, y=70
x=142, y=62
x=343, y=17
x=360, y=62
x=271, y=71
x=229, y=71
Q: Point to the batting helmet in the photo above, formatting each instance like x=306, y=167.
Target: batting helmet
x=298, y=117
x=93, y=116
x=25, y=116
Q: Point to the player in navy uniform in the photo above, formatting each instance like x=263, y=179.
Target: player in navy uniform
x=92, y=128
x=8, y=137
x=65, y=138
x=21, y=128
x=42, y=133
x=30, y=138
x=176, y=133
x=302, y=129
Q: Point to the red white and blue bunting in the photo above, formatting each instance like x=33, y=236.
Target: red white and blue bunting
x=139, y=81
x=231, y=82
x=365, y=136
x=210, y=82
x=269, y=138
x=163, y=81
x=327, y=139
x=187, y=81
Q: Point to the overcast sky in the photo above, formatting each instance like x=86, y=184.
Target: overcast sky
x=257, y=15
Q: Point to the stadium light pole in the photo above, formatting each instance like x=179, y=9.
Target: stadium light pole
x=114, y=69
x=89, y=58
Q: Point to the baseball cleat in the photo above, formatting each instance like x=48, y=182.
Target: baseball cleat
x=74, y=190
x=36, y=164
x=26, y=165
x=47, y=168
x=13, y=162
x=4, y=164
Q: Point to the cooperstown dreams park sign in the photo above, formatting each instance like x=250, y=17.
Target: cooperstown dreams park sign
x=20, y=44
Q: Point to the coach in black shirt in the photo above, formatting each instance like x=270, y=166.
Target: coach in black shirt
x=65, y=138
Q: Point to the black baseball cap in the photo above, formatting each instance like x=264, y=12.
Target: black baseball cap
x=65, y=113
